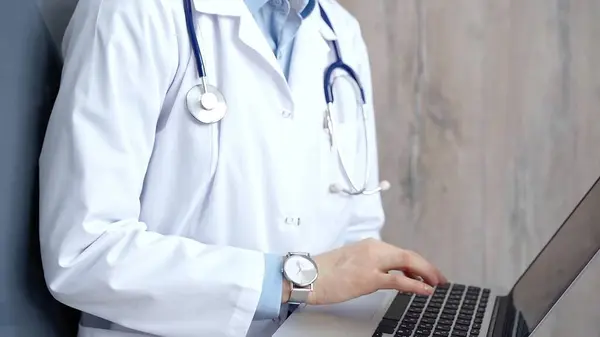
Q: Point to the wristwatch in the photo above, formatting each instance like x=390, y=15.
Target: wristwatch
x=301, y=271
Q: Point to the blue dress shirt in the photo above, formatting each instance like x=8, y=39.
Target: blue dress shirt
x=279, y=20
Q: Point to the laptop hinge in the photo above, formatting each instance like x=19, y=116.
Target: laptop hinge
x=503, y=318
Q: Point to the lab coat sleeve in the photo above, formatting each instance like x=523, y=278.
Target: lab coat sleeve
x=270, y=299
x=367, y=216
x=98, y=257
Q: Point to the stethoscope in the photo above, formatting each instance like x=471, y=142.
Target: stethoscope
x=207, y=104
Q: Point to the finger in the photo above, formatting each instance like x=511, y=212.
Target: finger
x=406, y=284
x=413, y=263
x=432, y=276
x=413, y=276
x=443, y=279
x=419, y=278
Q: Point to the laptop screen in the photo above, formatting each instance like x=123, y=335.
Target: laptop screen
x=558, y=264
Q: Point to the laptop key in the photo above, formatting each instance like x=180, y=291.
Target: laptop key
x=410, y=320
x=423, y=332
x=407, y=326
x=441, y=333
x=461, y=328
x=389, y=322
x=425, y=326
x=386, y=328
x=398, y=306
x=434, y=311
x=443, y=327
x=417, y=311
x=458, y=334
x=463, y=322
x=412, y=315
x=445, y=322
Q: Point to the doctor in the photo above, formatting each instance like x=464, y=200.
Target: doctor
x=191, y=175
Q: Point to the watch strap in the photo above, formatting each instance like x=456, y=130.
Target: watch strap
x=299, y=295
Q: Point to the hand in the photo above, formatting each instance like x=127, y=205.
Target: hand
x=363, y=268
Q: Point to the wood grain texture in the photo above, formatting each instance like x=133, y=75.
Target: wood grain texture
x=489, y=125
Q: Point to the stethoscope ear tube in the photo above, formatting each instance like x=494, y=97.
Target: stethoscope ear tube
x=189, y=22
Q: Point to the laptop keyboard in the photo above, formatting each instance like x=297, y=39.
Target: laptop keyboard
x=454, y=310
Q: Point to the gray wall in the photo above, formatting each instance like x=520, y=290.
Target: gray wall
x=489, y=125
x=29, y=76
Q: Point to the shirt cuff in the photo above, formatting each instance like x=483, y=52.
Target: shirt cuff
x=269, y=305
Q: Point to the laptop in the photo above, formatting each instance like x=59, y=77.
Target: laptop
x=457, y=310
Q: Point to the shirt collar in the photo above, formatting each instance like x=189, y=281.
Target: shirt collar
x=255, y=5
x=304, y=7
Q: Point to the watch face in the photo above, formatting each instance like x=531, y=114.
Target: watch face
x=300, y=270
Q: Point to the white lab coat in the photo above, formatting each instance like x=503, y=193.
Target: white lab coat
x=156, y=224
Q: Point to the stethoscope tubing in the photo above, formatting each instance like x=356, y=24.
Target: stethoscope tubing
x=328, y=92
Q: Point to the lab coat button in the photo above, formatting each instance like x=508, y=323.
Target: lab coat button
x=292, y=221
x=287, y=114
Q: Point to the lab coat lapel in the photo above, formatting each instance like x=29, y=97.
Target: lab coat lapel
x=312, y=54
x=248, y=32
x=220, y=7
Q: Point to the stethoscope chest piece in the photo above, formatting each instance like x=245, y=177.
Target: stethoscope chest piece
x=206, y=103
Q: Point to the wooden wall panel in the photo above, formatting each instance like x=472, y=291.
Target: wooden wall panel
x=489, y=125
